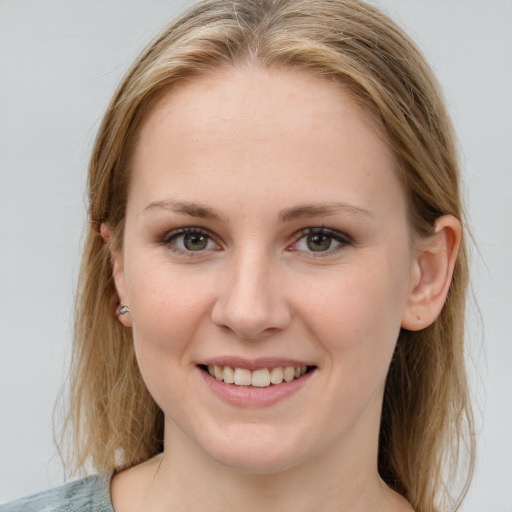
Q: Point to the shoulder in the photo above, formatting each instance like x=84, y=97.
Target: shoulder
x=91, y=494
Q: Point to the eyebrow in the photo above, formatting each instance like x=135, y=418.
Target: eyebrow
x=312, y=210
x=188, y=208
x=294, y=213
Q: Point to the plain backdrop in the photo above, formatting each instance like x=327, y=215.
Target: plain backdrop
x=60, y=61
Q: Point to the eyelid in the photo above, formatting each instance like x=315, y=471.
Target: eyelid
x=188, y=230
x=169, y=236
x=322, y=230
x=341, y=237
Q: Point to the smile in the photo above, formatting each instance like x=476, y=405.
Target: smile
x=257, y=383
x=260, y=378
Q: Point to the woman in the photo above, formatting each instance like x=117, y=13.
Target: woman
x=271, y=306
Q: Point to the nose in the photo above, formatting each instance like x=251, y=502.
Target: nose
x=251, y=300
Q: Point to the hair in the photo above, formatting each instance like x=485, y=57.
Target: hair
x=426, y=433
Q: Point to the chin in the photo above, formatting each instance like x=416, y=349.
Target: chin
x=257, y=453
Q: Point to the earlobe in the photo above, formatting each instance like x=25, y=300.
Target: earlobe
x=432, y=274
x=105, y=232
x=117, y=274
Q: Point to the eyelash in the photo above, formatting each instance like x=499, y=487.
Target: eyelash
x=176, y=233
x=342, y=238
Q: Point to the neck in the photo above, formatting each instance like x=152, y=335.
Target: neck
x=184, y=479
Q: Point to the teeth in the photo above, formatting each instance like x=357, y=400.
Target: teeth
x=228, y=375
x=261, y=378
x=289, y=373
x=243, y=377
x=276, y=375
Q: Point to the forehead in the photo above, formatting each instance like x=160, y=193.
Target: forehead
x=263, y=131
x=250, y=93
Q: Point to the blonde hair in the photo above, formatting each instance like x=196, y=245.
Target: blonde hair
x=426, y=417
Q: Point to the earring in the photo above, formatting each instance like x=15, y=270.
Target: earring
x=121, y=310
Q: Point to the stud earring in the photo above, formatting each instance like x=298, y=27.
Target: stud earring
x=121, y=310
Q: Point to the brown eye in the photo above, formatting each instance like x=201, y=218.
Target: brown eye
x=318, y=242
x=187, y=241
x=195, y=242
x=321, y=241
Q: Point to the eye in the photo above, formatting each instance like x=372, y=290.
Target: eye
x=189, y=240
x=321, y=240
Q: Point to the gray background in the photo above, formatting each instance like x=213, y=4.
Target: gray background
x=59, y=64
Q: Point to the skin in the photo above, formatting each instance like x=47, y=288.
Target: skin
x=250, y=145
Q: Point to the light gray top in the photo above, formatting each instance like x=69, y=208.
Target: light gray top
x=90, y=494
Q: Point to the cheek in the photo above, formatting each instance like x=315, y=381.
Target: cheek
x=356, y=320
x=167, y=312
x=165, y=302
x=356, y=314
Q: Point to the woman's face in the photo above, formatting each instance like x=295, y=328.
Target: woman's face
x=265, y=230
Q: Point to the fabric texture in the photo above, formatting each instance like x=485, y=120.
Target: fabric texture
x=90, y=494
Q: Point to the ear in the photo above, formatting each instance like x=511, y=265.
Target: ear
x=117, y=273
x=432, y=274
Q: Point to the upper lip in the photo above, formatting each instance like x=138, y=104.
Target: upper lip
x=253, y=364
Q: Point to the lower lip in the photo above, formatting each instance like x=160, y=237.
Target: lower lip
x=253, y=396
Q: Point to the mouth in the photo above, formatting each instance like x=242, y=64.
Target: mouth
x=258, y=378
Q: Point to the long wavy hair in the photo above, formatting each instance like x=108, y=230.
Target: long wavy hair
x=427, y=423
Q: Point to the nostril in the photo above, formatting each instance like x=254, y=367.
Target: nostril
x=251, y=310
